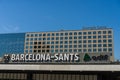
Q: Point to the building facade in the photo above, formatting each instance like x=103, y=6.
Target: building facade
x=70, y=41
x=96, y=42
x=65, y=41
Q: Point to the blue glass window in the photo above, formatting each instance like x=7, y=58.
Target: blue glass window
x=70, y=33
x=12, y=43
x=104, y=45
x=40, y=34
x=99, y=32
x=53, y=34
x=104, y=41
x=70, y=37
x=61, y=50
x=79, y=50
x=61, y=34
x=94, y=32
x=48, y=34
x=48, y=38
x=75, y=37
x=57, y=38
x=70, y=42
x=65, y=50
x=109, y=45
x=61, y=46
x=89, y=37
x=94, y=50
x=61, y=38
x=89, y=41
x=84, y=41
x=110, y=49
x=70, y=46
x=52, y=46
x=66, y=46
x=99, y=41
x=66, y=34
x=84, y=33
x=80, y=33
x=80, y=37
x=84, y=46
x=109, y=32
x=75, y=33
x=79, y=46
x=99, y=45
x=56, y=42
x=66, y=38
x=36, y=35
x=104, y=32
x=52, y=38
x=32, y=35
x=31, y=39
x=75, y=46
x=104, y=36
x=99, y=36
x=75, y=42
x=52, y=42
x=94, y=41
x=89, y=32
x=56, y=46
x=84, y=37
x=109, y=40
x=99, y=50
x=80, y=41
x=94, y=45
x=75, y=50
x=89, y=45
x=57, y=34
x=94, y=37
x=48, y=42
x=109, y=36
x=84, y=50
x=89, y=50
x=61, y=42
x=66, y=42
x=70, y=50
x=105, y=49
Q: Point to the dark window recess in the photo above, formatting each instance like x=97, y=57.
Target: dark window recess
x=39, y=46
x=39, y=50
x=75, y=33
x=104, y=32
x=94, y=32
x=70, y=33
x=35, y=42
x=47, y=51
x=109, y=32
x=44, y=34
x=43, y=38
x=27, y=35
x=43, y=47
x=35, y=46
x=43, y=50
x=99, y=32
x=35, y=51
x=48, y=46
x=39, y=42
x=43, y=42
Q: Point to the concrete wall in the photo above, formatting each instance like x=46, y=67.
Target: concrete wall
x=51, y=67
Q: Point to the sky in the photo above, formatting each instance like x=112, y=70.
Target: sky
x=53, y=15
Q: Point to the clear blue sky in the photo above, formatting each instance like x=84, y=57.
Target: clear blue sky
x=53, y=15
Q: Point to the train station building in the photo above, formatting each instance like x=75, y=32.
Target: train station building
x=86, y=54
